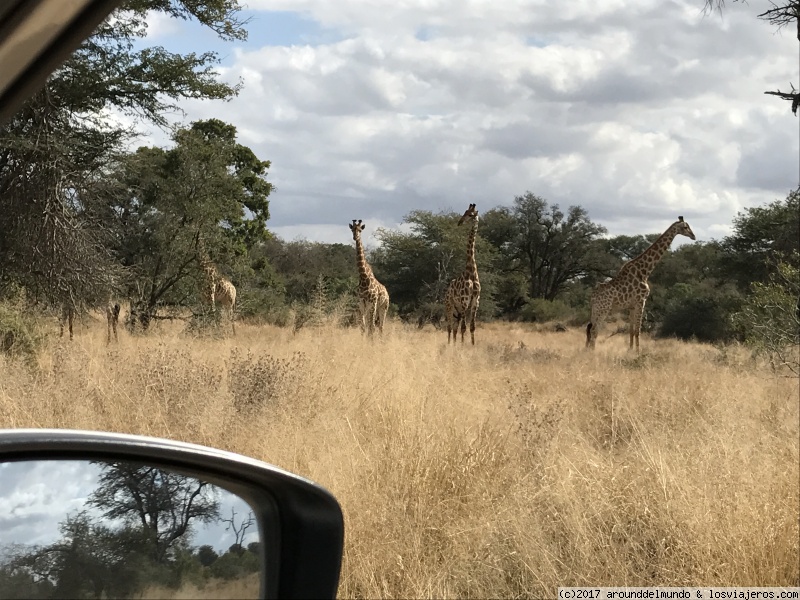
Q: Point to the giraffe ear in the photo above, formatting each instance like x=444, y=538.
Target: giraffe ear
x=363, y=227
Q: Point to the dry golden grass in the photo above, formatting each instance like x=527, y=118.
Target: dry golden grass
x=215, y=589
x=495, y=471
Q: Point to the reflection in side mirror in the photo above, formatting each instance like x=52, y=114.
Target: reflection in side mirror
x=123, y=529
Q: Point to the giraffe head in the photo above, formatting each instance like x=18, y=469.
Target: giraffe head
x=356, y=227
x=471, y=213
x=682, y=228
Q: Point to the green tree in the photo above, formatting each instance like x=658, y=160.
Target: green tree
x=55, y=152
x=207, y=186
x=770, y=317
x=761, y=235
x=164, y=504
x=417, y=267
x=551, y=247
x=206, y=555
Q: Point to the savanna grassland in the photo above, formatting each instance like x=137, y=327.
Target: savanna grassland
x=503, y=470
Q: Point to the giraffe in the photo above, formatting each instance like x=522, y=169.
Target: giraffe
x=216, y=288
x=464, y=292
x=373, y=299
x=67, y=317
x=112, y=318
x=629, y=289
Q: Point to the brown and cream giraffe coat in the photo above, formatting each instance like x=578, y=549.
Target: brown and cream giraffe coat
x=216, y=290
x=464, y=292
x=373, y=299
x=629, y=289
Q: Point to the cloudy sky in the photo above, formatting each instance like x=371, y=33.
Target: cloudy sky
x=638, y=110
x=36, y=496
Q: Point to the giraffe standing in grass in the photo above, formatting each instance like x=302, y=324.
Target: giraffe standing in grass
x=629, y=289
x=67, y=318
x=112, y=319
x=464, y=293
x=373, y=299
x=216, y=288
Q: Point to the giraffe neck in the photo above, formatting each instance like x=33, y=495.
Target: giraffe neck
x=471, y=269
x=364, y=270
x=648, y=259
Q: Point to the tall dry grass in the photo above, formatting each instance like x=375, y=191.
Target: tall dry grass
x=503, y=470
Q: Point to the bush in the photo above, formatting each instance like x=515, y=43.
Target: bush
x=770, y=317
x=538, y=310
x=698, y=312
x=19, y=335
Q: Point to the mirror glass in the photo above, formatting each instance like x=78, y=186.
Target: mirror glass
x=95, y=529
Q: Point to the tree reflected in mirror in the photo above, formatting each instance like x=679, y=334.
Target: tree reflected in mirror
x=81, y=529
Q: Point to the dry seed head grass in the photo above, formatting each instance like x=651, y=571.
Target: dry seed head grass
x=503, y=470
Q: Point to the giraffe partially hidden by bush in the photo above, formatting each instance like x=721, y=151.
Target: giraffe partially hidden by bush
x=629, y=289
x=216, y=288
x=373, y=299
x=67, y=318
x=464, y=293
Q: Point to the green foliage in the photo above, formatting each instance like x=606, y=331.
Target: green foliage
x=417, y=267
x=19, y=333
x=206, y=555
x=55, y=154
x=234, y=565
x=697, y=311
x=538, y=310
x=296, y=267
x=551, y=247
x=761, y=235
x=207, y=187
x=770, y=317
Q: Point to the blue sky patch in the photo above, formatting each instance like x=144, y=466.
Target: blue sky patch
x=265, y=28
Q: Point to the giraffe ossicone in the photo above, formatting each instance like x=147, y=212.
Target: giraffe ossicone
x=464, y=292
x=373, y=299
x=629, y=290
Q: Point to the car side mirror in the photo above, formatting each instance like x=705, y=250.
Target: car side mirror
x=88, y=514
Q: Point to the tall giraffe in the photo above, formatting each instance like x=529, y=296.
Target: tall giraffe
x=464, y=292
x=629, y=289
x=216, y=288
x=373, y=299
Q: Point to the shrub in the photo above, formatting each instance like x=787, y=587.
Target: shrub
x=19, y=335
x=770, y=317
x=539, y=310
x=699, y=312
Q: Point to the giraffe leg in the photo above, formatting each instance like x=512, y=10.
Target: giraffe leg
x=473, y=314
x=593, y=330
x=631, y=327
x=112, y=318
x=382, y=317
x=448, y=314
x=636, y=322
x=463, y=321
x=362, y=316
x=373, y=309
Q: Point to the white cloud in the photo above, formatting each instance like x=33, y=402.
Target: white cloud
x=638, y=110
